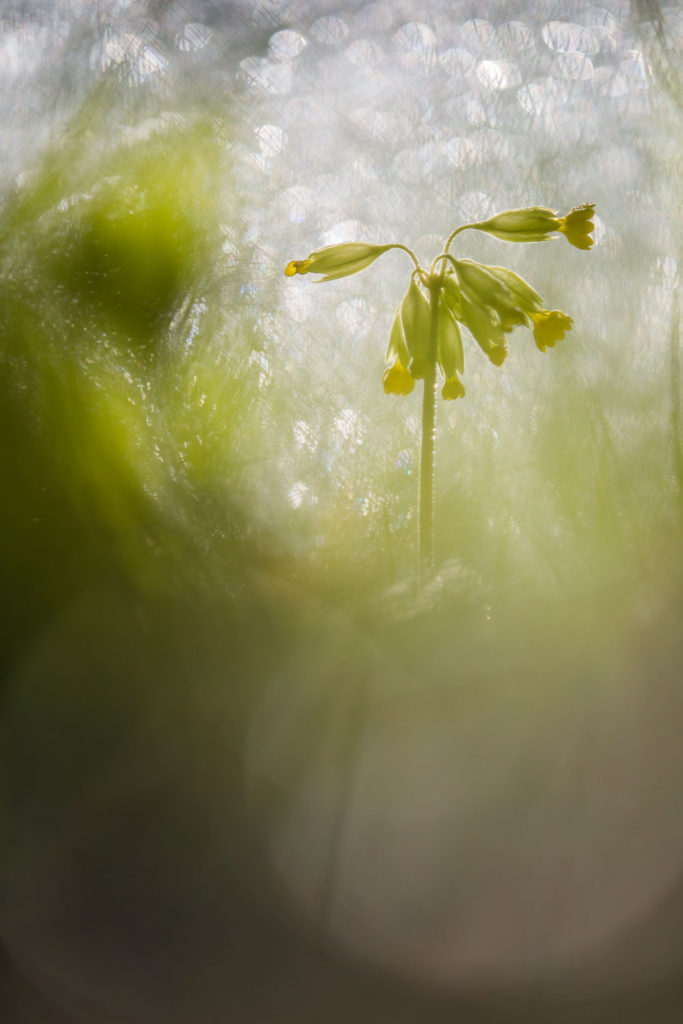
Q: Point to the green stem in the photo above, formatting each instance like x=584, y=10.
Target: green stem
x=676, y=401
x=397, y=245
x=457, y=231
x=425, y=535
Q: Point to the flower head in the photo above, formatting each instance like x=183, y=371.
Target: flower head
x=489, y=300
x=337, y=260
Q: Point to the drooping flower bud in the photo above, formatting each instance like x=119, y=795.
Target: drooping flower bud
x=415, y=321
x=485, y=287
x=452, y=296
x=449, y=352
x=538, y=223
x=337, y=260
x=485, y=328
x=397, y=379
x=525, y=296
x=533, y=224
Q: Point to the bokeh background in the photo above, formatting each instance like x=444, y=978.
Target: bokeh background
x=245, y=775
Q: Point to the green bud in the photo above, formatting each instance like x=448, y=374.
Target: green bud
x=415, y=320
x=450, y=356
x=337, y=260
x=527, y=298
x=482, y=286
x=397, y=348
x=485, y=286
x=533, y=224
x=487, y=333
x=451, y=296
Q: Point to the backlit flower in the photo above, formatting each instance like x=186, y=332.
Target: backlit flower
x=397, y=378
x=449, y=353
x=533, y=224
x=408, y=354
x=415, y=318
x=337, y=260
x=485, y=327
x=538, y=223
x=491, y=301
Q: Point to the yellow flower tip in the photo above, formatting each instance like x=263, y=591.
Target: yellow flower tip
x=297, y=267
x=397, y=380
x=453, y=388
x=577, y=225
x=497, y=354
x=550, y=327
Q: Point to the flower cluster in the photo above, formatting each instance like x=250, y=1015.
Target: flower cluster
x=488, y=300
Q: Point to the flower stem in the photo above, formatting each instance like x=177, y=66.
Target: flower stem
x=397, y=245
x=676, y=402
x=425, y=526
x=463, y=227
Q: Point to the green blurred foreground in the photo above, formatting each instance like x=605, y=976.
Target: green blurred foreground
x=232, y=745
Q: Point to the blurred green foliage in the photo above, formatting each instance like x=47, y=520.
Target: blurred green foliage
x=110, y=247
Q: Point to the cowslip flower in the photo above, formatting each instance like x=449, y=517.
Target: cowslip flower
x=425, y=336
x=408, y=353
x=538, y=223
x=494, y=300
x=397, y=378
x=490, y=301
x=337, y=260
x=449, y=354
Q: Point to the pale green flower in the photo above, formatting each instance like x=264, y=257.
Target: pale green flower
x=493, y=300
x=397, y=378
x=534, y=224
x=337, y=260
x=449, y=353
x=415, y=316
x=538, y=223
